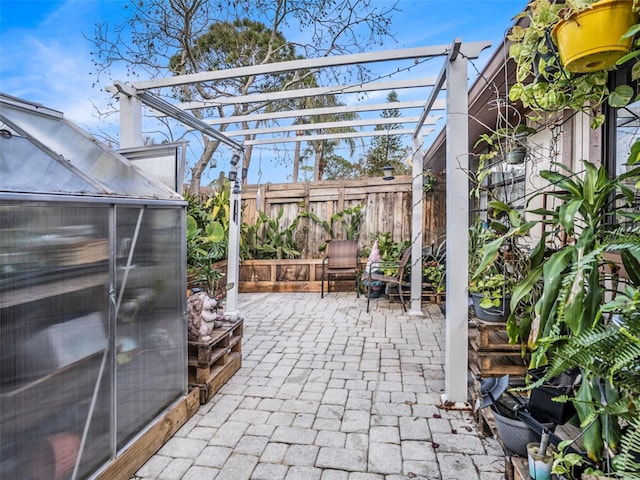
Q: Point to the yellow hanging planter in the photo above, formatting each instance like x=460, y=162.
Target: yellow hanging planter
x=590, y=40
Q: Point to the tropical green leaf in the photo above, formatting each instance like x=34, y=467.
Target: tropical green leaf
x=632, y=265
x=633, y=30
x=567, y=213
x=562, y=181
x=537, y=254
x=589, y=184
x=628, y=56
x=634, y=154
x=552, y=272
x=489, y=254
x=214, y=232
x=621, y=96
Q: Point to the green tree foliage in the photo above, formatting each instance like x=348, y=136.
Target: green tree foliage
x=231, y=45
x=386, y=149
x=160, y=38
x=339, y=168
x=323, y=149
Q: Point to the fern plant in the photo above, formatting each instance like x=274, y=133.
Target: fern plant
x=608, y=401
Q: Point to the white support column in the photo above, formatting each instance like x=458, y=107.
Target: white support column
x=233, y=250
x=416, y=228
x=130, y=121
x=457, y=164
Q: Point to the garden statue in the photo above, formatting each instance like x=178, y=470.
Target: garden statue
x=203, y=315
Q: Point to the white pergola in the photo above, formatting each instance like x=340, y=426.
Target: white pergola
x=451, y=79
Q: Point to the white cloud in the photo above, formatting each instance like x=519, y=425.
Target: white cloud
x=50, y=63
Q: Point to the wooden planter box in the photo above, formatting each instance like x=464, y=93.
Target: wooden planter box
x=298, y=275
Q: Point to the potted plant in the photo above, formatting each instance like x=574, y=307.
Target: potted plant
x=207, y=232
x=201, y=273
x=428, y=181
x=497, y=261
x=508, y=143
x=566, y=301
x=543, y=82
x=434, y=274
x=609, y=395
x=491, y=294
x=589, y=34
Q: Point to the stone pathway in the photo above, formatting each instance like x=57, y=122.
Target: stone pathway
x=329, y=392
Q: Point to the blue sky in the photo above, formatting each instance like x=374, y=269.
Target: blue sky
x=45, y=57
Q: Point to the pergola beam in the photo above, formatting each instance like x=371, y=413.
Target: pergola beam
x=308, y=92
x=330, y=136
x=433, y=97
x=470, y=50
x=302, y=127
x=308, y=112
x=453, y=77
x=129, y=92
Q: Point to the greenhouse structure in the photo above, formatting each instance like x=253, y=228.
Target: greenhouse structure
x=92, y=294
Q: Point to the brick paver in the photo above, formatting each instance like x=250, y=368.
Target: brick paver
x=329, y=392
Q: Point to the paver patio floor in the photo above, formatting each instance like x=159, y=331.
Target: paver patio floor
x=329, y=392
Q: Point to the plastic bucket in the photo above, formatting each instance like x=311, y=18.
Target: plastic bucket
x=590, y=40
x=515, y=434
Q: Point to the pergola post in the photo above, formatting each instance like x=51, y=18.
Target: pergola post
x=233, y=248
x=130, y=121
x=457, y=165
x=416, y=228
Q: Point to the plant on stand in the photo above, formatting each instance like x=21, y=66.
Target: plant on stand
x=207, y=233
x=567, y=320
x=581, y=217
x=497, y=260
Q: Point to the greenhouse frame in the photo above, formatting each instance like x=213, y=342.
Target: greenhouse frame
x=92, y=298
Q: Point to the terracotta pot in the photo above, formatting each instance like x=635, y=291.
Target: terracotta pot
x=54, y=456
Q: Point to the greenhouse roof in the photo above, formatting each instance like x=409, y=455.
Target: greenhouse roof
x=42, y=152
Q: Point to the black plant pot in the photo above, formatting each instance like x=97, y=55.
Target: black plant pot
x=375, y=291
x=492, y=314
x=516, y=156
x=541, y=401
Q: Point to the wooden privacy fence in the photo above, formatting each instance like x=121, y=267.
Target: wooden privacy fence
x=387, y=208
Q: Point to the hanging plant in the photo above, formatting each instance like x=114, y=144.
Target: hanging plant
x=428, y=181
x=543, y=82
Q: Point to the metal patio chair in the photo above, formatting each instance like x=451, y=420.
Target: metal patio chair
x=341, y=260
x=375, y=273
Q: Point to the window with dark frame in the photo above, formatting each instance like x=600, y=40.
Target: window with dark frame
x=621, y=129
